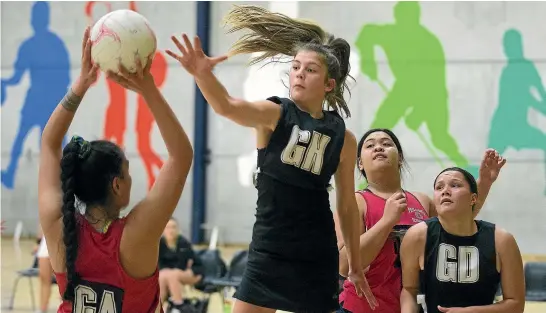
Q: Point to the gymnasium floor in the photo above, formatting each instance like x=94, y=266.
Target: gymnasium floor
x=10, y=263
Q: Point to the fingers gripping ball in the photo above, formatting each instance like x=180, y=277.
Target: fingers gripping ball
x=121, y=36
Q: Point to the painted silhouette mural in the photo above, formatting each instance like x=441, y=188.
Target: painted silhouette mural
x=419, y=94
x=45, y=57
x=116, y=112
x=518, y=79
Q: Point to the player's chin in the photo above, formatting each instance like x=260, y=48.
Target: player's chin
x=297, y=96
x=448, y=208
x=381, y=163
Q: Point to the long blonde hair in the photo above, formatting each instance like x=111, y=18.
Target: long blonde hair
x=272, y=34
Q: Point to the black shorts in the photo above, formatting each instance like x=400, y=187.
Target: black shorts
x=290, y=284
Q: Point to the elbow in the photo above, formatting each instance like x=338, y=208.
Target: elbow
x=517, y=306
x=183, y=158
x=187, y=157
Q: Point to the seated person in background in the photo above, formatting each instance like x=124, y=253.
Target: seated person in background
x=178, y=264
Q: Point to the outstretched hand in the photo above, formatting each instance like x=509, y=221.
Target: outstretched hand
x=192, y=57
x=491, y=165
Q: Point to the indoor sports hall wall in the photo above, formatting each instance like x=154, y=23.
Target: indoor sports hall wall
x=41, y=51
x=478, y=84
x=465, y=91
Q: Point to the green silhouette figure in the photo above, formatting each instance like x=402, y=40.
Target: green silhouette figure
x=510, y=127
x=417, y=61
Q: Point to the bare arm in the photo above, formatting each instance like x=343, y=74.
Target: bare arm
x=370, y=243
x=346, y=203
x=250, y=114
x=490, y=168
x=343, y=259
x=49, y=182
x=484, y=186
x=261, y=114
x=427, y=203
x=146, y=222
x=412, y=248
x=512, y=277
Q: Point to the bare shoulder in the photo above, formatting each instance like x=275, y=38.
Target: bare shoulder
x=350, y=136
x=417, y=232
x=348, y=152
x=504, y=240
x=422, y=197
x=361, y=203
x=267, y=104
x=426, y=202
x=413, y=244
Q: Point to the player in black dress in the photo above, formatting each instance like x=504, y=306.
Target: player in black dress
x=457, y=262
x=293, y=257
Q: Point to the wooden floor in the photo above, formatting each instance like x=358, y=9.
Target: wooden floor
x=11, y=262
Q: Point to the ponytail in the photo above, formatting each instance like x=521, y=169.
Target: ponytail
x=272, y=34
x=69, y=165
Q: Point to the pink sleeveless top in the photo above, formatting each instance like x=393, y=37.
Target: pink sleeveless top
x=384, y=278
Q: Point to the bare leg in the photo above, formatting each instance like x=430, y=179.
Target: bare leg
x=244, y=307
x=175, y=287
x=163, y=286
x=46, y=273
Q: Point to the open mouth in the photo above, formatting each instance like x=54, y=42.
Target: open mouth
x=379, y=156
x=446, y=201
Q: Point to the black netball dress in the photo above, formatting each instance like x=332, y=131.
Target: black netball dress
x=293, y=257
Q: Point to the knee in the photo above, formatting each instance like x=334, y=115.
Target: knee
x=164, y=274
x=44, y=269
x=166, y=271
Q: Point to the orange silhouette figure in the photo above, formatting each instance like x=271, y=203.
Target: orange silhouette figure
x=116, y=112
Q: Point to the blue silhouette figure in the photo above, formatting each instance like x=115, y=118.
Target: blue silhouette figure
x=510, y=126
x=46, y=58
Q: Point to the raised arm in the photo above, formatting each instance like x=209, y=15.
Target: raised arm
x=490, y=168
x=146, y=222
x=258, y=114
x=49, y=182
x=348, y=215
x=411, y=250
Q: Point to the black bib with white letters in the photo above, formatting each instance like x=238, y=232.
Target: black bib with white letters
x=459, y=271
x=303, y=151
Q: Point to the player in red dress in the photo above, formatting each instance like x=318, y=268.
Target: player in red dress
x=104, y=263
